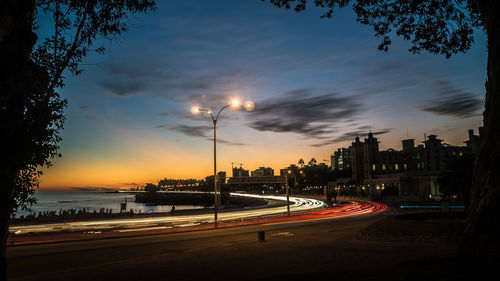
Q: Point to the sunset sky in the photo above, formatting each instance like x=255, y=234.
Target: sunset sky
x=316, y=84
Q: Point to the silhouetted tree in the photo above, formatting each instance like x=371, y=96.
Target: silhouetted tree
x=31, y=109
x=456, y=177
x=312, y=162
x=301, y=162
x=447, y=27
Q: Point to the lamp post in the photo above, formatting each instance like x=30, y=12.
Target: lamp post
x=235, y=103
x=287, y=193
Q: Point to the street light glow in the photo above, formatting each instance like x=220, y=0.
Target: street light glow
x=235, y=103
x=249, y=106
x=195, y=109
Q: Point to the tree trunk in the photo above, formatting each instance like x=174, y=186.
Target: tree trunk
x=6, y=200
x=16, y=43
x=481, y=244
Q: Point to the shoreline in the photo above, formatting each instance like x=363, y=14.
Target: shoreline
x=99, y=216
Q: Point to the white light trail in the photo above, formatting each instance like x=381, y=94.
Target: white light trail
x=136, y=224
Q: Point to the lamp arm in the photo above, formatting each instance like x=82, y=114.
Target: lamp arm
x=216, y=118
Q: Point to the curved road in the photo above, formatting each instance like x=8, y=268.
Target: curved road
x=301, y=208
x=315, y=249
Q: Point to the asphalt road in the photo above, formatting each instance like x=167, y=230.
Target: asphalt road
x=319, y=250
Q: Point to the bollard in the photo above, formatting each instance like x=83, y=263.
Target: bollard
x=262, y=236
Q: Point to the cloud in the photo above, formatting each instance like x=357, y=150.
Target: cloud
x=300, y=111
x=91, y=117
x=199, y=132
x=123, y=88
x=84, y=107
x=359, y=133
x=226, y=142
x=350, y=136
x=131, y=78
x=193, y=131
x=453, y=102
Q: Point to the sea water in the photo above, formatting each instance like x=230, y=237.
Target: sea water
x=52, y=200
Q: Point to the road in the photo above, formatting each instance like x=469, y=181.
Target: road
x=297, y=204
x=306, y=250
x=302, y=209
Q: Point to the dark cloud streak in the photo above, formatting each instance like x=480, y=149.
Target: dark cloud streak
x=301, y=112
x=453, y=102
x=199, y=132
x=350, y=136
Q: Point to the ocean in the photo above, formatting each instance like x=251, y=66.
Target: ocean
x=51, y=200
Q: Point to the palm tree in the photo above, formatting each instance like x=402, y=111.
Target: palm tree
x=312, y=162
x=301, y=162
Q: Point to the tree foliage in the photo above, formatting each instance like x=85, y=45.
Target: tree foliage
x=312, y=162
x=438, y=26
x=78, y=25
x=456, y=178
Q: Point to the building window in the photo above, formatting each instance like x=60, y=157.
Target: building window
x=374, y=167
x=396, y=167
x=418, y=165
x=383, y=167
x=405, y=166
x=461, y=153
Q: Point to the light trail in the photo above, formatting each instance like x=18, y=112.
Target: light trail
x=301, y=208
x=297, y=204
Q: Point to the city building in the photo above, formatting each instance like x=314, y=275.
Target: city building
x=240, y=172
x=341, y=159
x=263, y=171
x=292, y=169
x=221, y=177
x=411, y=172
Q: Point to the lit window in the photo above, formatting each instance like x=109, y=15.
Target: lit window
x=396, y=167
x=418, y=165
x=383, y=167
x=374, y=167
x=405, y=166
x=461, y=153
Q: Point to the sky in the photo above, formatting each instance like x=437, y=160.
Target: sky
x=316, y=85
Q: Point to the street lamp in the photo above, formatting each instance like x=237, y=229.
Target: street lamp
x=196, y=109
x=287, y=193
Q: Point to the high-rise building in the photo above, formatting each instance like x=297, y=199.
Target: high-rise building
x=221, y=177
x=342, y=159
x=240, y=172
x=263, y=171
